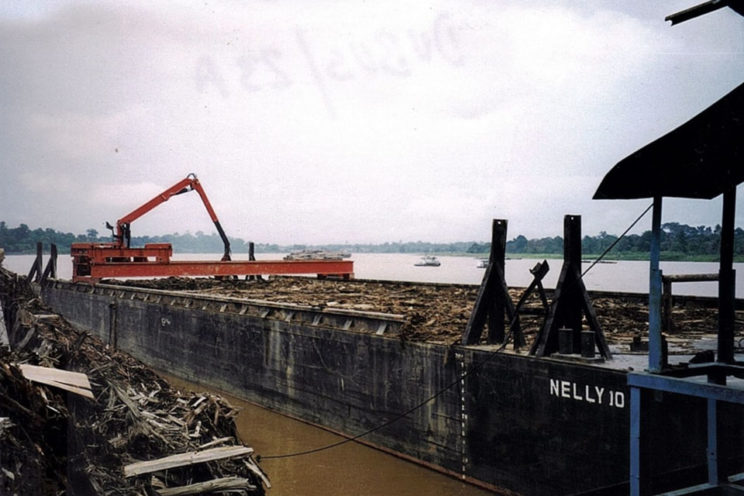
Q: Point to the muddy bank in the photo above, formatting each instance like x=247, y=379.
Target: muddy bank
x=63, y=438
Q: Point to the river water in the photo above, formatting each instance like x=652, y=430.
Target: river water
x=349, y=469
x=626, y=276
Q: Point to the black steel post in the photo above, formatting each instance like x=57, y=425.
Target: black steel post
x=497, y=258
x=36, y=269
x=726, y=281
x=51, y=268
x=656, y=362
x=571, y=310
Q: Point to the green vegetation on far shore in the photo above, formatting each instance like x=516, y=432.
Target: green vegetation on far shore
x=679, y=242
x=666, y=256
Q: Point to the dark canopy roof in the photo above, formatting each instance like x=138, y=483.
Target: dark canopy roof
x=700, y=159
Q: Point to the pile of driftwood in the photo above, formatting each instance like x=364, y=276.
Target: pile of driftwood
x=80, y=418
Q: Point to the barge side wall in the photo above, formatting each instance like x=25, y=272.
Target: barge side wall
x=533, y=426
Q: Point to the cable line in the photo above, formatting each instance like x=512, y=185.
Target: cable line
x=607, y=250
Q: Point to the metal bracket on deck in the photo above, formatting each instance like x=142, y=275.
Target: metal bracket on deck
x=570, y=302
x=36, y=274
x=493, y=299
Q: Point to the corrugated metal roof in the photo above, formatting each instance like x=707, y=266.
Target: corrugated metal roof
x=700, y=159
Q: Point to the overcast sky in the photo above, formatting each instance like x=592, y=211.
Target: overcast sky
x=358, y=121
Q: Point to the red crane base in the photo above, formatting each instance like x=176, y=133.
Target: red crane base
x=92, y=262
x=340, y=268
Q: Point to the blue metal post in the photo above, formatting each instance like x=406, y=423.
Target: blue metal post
x=713, y=474
x=635, y=441
x=655, y=360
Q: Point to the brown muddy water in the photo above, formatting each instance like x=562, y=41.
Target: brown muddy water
x=346, y=470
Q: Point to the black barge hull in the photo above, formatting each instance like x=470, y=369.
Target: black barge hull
x=509, y=422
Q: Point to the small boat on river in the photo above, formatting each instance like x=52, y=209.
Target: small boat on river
x=316, y=255
x=428, y=261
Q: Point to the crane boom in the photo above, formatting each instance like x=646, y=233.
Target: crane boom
x=93, y=261
x=189, y=183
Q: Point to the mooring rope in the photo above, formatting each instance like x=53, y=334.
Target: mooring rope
x=612, y=245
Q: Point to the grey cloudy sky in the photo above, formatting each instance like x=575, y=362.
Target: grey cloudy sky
x=334, y=121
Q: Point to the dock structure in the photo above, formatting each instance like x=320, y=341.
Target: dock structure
x=701, y=159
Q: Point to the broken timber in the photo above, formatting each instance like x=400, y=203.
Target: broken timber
x=223, y=484
x=183, y=459
x=74, y=382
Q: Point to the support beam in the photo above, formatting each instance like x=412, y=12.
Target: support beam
x=727, y=280
x=498, y=257
x=36, y=269
x=493, y=301
x=51, y=267
x=655, y=354
x=687, y=387
x=570, y=301
x=714, y=471
x=635, y=441
x=342, y=268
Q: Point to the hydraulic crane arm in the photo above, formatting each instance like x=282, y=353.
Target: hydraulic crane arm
x=93, y=261
x=123, y=226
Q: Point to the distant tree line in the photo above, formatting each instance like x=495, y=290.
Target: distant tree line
x=678, y=242
x=23, y=239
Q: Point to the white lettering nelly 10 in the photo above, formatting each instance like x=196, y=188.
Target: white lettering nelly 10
x=588, y=393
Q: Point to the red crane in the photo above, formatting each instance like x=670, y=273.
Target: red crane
x=93, y=261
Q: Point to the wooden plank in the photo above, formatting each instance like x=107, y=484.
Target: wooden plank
x=32, y=372
x=183, y=459
x=4, y=341
x=253, y=467
x=75, y=382
x=689, y=277
x=73, y=389
x=223, y=484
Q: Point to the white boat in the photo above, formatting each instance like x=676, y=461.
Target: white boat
x=428, y=261
x=316, y=255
